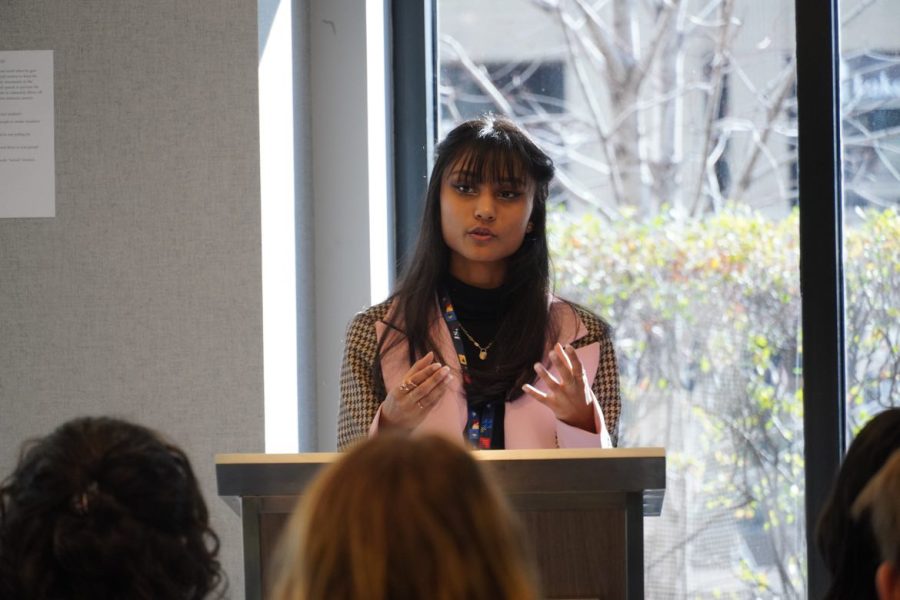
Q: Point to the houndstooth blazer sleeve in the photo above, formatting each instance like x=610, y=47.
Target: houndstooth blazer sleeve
x=606, y=381
x=362, y=386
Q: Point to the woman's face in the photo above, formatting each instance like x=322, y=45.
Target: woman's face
x=483, y=223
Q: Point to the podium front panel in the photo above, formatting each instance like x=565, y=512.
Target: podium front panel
x=583, y=511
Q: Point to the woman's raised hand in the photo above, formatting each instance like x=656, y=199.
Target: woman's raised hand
x=569, y=396
x=407, y=405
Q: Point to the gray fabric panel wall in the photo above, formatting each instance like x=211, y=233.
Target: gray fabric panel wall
x=142, y=298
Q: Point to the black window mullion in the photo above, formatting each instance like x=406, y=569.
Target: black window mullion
x=821, y=262
x=415, y=107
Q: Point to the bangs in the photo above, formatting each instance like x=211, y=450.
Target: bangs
x=481, y=163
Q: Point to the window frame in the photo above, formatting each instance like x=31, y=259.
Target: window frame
x=414, y=95
x=821, y=217
x=821, y=264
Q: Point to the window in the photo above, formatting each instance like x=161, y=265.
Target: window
x=746, y=178
x=870, y=111
x=673, y=128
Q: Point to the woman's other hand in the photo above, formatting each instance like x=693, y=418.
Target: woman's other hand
x=409, y=403
x=569, y=394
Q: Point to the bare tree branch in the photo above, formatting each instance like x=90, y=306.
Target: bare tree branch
x=617, y=58
x=719, y=63
x=596, y=112
x=788, y=76
x=660, y=33
x=478, y=74
x=858, y=10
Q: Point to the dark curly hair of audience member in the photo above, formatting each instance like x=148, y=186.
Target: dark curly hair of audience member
x=848, y=548
x=102, y=508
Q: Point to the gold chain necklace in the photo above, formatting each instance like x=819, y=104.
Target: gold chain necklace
x=482, y=350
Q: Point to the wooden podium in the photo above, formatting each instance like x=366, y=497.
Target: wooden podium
x=583, y=509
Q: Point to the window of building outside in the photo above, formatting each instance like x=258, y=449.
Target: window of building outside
x=870, y=106
x=674, y=217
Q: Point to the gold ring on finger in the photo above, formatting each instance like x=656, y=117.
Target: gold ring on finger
x=419, y=404
x=407, y=386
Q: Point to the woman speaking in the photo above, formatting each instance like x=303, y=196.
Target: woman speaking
x=473, y=344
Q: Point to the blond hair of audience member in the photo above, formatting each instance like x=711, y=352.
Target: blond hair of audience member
x=404, y=517
x=881, y=500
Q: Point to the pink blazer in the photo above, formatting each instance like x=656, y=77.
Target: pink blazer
x=527, y=422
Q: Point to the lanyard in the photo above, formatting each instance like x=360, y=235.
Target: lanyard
x=480, y=421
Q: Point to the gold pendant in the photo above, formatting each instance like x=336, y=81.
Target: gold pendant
x=483, y=354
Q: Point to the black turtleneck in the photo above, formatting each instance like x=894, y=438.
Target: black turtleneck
x=480, y=311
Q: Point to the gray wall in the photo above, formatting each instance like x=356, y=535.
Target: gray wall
x=142, y=298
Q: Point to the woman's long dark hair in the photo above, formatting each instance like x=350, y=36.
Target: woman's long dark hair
x=496, y=149
x=103, y=508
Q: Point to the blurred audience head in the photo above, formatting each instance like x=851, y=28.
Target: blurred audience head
x=849, y=549
x=404, y=517
x=102, y=508
x=878, y=507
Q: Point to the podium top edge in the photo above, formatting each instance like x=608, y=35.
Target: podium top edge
x=488, y=456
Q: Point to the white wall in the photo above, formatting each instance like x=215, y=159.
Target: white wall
x=141, y=298
x=326, y=215
x=341, y=190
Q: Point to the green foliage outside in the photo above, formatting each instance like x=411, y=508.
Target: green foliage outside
x=707, y=322
x=873, y=316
